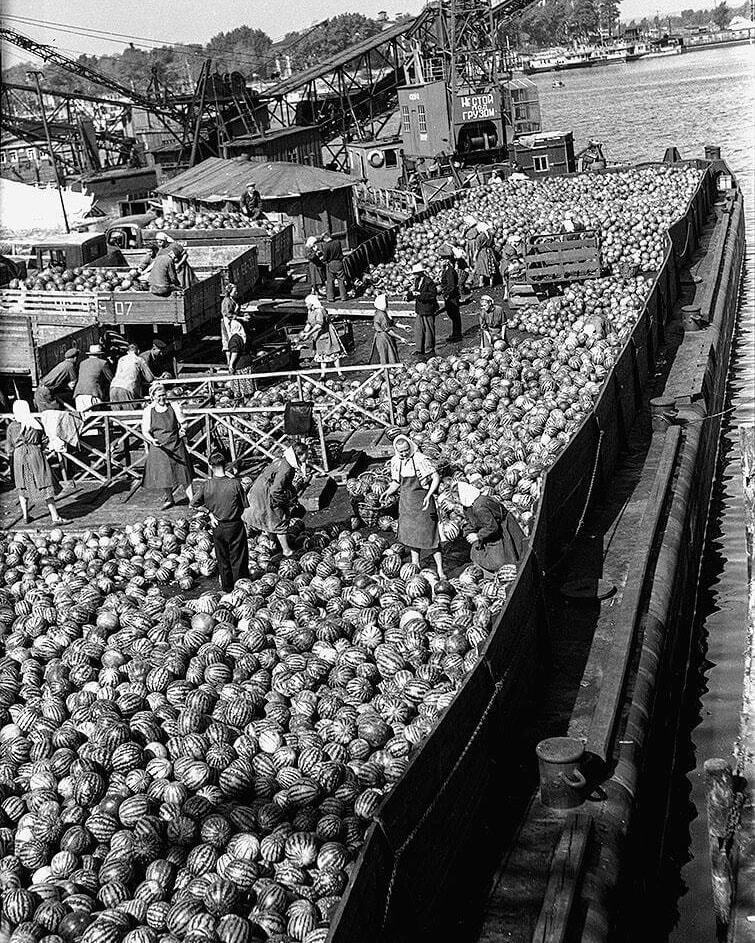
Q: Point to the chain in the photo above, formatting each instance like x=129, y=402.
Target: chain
x=498, y=687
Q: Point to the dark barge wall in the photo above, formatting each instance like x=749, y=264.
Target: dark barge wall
x=411, y=861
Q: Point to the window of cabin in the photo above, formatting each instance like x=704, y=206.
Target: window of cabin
x=540, y=164
x=391, y=160
x=422, y=119
x=406, y=121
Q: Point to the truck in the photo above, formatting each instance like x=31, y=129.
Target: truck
x=67, y=250
x=557, y=258
x=274, y=250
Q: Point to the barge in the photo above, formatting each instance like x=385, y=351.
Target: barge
x=426, y=853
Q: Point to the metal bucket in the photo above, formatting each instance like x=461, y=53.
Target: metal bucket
x=561, y=782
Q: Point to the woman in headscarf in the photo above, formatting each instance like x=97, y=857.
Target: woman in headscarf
x=316, y=264
x=32, y=475
x=386, y=335
x=168, y=465
x=470, y=238
x=321, y=330
x=485, y=265
x=273, y=498
x=416, y=480
x=491, y=542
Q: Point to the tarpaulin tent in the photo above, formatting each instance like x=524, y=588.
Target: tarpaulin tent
x=27, y=210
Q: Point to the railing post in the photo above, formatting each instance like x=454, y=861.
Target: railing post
x=300, y=386
x=323, y=445
x=208, y=437
x=108, y=457
x=389, y=390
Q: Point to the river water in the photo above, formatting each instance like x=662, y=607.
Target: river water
x=637, y=111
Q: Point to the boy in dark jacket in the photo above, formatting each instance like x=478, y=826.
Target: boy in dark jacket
x=449, y=288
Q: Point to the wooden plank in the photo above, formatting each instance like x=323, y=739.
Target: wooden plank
x=564, y=880
x=602, y=726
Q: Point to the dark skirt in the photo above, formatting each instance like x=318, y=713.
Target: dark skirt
x=486, y=264
x=385, y=349
x=32, y=474
x=167, y=469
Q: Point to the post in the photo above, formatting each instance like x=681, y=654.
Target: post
x=323, y=445
x=208, y=436
x=719, y=806
x=108, y=457
x=36, y=74
x=389, y=391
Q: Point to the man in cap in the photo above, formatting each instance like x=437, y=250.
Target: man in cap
x=224, y=497
x=251, y=202
x=163, y=277
x=425, y=295
x=449, y=288
x=158, y=360
x=93, y=381
x=332, y=255
x=56, y=385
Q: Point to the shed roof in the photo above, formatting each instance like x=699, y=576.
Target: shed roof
x=217, y=179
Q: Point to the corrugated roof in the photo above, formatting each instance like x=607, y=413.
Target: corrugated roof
x=217, y=180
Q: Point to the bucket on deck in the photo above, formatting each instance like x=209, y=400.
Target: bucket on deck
x=691, y=319
x=561, y=782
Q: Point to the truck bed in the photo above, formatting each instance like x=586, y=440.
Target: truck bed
x=562, y=257
x=273, y=251
x=27, y=350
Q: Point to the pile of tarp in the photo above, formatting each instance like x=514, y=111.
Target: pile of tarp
x=26, y=210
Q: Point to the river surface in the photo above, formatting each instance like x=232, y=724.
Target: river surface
x=637, y=111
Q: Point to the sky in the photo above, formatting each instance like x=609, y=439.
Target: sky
x=175, y=21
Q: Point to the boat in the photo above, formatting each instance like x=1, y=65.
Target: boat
x=473, y=782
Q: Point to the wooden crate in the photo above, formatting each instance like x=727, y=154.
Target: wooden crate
x=273, y=252
x=235, y=263
x=562, y=257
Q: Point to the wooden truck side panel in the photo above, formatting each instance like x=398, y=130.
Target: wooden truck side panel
x=562, y=257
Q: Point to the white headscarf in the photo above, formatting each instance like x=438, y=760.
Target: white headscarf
x=469, y=491
x=22, y=415
x=293, y=460
x=312, y=301
x=311, y=241
x=404, y=438
x=380, y=303
x=482, y=227
x=470, y=220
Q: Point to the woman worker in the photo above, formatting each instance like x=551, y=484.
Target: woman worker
x=386, y=335
x=225, y=499
x=321, y=330
x=492, y=322
x=491, y=541
x=417, y=481
x=32, y=475
x=315, y=264
x=273, y=497
x=486, y=264
x=168, y=465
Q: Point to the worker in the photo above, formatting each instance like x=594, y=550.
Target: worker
x=489, y=536
x=237, y=351
x=145, y=266
x=386, y=335
x=416, y=480
x=32, y=475
x=131, y=380
x=511, y=264
x=225, y=499
x=492, y=322
x=274, y=497
x=93, y=382
x=486, y=263
x=322, y=332
x=462, y=270
x=332, y=254
x=470, y=238
x=163, y=241
x=425, y=296
x=251, y=202
x=168, y=465
x=158, y=360
x=316, y=265
x=184, y=270
x=163, y=277
x=449, y=288
x=230, y=309
x=495, y=178
x=57, y=385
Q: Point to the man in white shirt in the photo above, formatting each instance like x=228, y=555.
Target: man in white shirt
x=131, y=380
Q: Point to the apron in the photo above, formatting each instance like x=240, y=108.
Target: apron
x=168, y=464
x=416, y=528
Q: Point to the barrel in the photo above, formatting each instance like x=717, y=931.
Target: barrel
x=691, y=317
x=561, y=782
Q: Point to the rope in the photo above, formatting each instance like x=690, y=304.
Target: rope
x=498, y=687
x=672, y=420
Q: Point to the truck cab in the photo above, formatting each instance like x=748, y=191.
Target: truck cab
x=126, y=232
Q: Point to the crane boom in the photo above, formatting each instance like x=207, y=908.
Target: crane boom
x=49, y=54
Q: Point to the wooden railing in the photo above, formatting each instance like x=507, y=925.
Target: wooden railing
x=112, y=449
